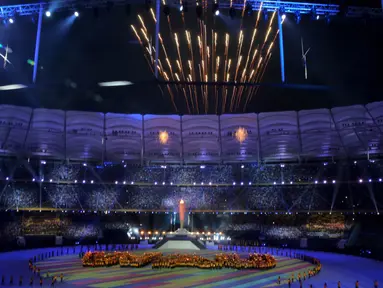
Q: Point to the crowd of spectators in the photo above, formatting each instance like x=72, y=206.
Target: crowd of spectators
x=274, y=187
x=43, y=226
x=281, y=232
x=15, y=198
x=79, y=231
x=109, y=197
x=103, y=198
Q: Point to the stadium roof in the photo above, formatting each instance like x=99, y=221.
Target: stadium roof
x=350, y=131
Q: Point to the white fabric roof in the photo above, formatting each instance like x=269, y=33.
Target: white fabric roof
x=340, y=132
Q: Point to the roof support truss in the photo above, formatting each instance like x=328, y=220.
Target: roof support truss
x=287, y=6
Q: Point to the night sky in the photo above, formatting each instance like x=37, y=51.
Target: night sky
x=345, y=57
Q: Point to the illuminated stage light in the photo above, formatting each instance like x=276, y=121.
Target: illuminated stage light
x=50, y=180
x=360, y=181
x=48, y=13
x=33, y=180
x=333, y=181
x=124, y=182
x=75, y=181
x=324, y=182
x=181, y=8
x=115, y=83
x=215, y=8
x=116, y=182
x=91, y=182
x=283, y=17
x=241, y=134
x=11, y=20
x=76, y=14
x=163, y=137
x=7, y=178
x=83, y=181
x=317, y=18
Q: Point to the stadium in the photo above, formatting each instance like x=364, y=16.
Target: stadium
x=190, y=144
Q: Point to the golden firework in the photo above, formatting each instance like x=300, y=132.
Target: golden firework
x=243, y=61
x=241, y=134
x=163, y=136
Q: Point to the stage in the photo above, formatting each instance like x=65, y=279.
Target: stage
x=335, y=267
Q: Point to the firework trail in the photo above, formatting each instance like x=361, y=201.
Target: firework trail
x=211, y=57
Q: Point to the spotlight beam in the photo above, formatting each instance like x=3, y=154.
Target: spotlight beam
x=37, y=44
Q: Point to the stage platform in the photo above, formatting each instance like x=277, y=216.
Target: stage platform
x=180, y=242
x=346, y=269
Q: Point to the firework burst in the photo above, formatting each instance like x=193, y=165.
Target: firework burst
x=212, y=60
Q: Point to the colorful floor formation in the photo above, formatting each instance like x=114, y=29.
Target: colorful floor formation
x=346, y=269
x=109, y=277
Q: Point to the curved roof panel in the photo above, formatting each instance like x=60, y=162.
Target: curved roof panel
x=237, y=145
x=279, y=135
x=123, y=136
x=340, y=132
